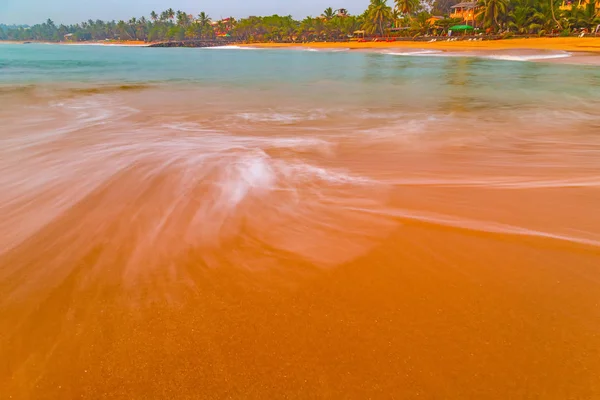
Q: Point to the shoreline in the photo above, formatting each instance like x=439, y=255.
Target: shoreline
x=575, y=51
x=589, y=45
x=124, y=43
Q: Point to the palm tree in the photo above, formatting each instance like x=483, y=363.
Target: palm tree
x=407, y=7
x=204, y=22
x=328, y=14
x=122, y=29
x=421, y=23
x=221, y=27
x=231, y=22
x=305, y=30
x=203, y=19
x=154, y=16
x=182, y=19
x=379, y=14
x=554, y=15
x=334, y=28
x=522, y=18
x=132, y=32
x=142, y=29
x=542, y=18
x=491, y=11
x=586, y=17
x=396, y=15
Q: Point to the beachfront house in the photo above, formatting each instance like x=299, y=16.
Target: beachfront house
x=567, y=5
x=223, y=27
x=466, y=11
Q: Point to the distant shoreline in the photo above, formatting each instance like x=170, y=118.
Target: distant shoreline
x=129, y=43
x=577, y=51
x=581, y=51
x=589, y=45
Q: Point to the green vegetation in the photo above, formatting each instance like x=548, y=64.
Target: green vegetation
x=382, y=18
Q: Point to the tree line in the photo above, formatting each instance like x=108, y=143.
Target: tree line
x=400, y=18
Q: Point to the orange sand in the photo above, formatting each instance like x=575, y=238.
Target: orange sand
x=566, y=44
x=130, y=292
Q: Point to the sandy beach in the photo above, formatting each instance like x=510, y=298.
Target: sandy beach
x=293, y=225
x=564, y=44
x=581, y=51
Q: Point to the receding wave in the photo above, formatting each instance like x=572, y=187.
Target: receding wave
x=183, y=185
x=480, y=226
x=508, y=55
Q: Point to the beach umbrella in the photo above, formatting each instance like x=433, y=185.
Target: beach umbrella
x=461, y=28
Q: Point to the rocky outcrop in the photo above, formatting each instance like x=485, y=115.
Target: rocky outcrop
x=195, y=43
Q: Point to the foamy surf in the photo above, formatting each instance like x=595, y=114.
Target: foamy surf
x=529, y=57
x=324, y=50
x=215, y=181
x=506, y=56
x=282, y=117
x=230, y=47
x=416, y=53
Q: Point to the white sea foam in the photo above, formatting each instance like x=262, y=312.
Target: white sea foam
x=500, y=57
x=228, y=47
x=526, y=57
x=282, y=117
x=231, y=47
x=214, y=173
x=416, y=53
x=478, y=225
x=324, y=50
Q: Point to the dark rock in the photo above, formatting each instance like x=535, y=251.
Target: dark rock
x=195, y=43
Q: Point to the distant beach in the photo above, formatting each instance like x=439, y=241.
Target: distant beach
x=585, y=51
x=591, y=44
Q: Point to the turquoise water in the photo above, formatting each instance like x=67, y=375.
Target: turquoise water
x=251, y=120
x=295, y=69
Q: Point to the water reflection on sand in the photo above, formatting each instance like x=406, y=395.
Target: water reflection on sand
x=156, y=243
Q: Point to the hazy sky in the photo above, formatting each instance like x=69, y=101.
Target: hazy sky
x=71, y=11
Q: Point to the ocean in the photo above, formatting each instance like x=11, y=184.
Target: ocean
x=293, y=223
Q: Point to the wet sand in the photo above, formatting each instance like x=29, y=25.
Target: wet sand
x=155, y=249
x=431, y=312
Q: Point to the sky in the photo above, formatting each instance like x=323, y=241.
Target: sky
x=72, y=11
